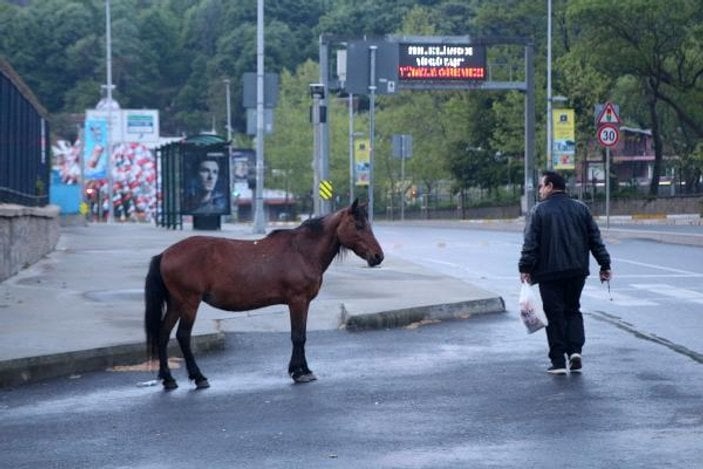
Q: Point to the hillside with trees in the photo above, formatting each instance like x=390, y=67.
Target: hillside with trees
x=173, y=55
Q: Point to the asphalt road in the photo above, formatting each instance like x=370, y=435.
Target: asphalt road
x=657, y=289
x=469, y=393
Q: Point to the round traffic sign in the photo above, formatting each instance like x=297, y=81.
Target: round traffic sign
x=608, y=135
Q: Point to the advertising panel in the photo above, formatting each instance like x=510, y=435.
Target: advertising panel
x=362, y=161
x=564, y=139
x=206, y=184
x=94, y=150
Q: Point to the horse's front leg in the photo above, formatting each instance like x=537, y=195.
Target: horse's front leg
x=298, y=366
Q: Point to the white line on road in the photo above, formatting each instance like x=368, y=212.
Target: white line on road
x=664, y=289
x=619, y=299
x=660, y=267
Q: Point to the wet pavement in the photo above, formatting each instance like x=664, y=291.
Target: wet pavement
x=80, y=308
x=455, y=394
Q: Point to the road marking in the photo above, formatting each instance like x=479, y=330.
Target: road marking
x=619, y=323
x=664, y=289
x=654, y=266
x=619, y=299
x=621, y=276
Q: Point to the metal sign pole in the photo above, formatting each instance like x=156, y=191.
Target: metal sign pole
x=108, y=150
x=402, y=178
x=372, y=124
x=316, y=164
x=259, y=221
x=529, y=130
x=351, y=148
x=550, y=135
x=325, y=204
x=607, y=187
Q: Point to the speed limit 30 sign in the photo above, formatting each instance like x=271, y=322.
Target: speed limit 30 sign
x=608, y=135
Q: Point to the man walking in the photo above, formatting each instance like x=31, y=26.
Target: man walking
x=559, y=235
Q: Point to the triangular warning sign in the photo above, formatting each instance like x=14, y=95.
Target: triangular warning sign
x=608, y=115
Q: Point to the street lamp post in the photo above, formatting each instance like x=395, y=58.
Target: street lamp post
x=351, y=148
x=549, y=85
x=259, y=221
x=108, y=51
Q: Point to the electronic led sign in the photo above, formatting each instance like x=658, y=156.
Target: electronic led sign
x=441, y=62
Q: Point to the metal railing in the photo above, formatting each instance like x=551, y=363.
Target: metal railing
x=25, y=163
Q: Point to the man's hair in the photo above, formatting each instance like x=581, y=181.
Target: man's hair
x=555, y=179
x=213, y=159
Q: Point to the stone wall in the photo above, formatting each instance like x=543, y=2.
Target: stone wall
x=26, y=235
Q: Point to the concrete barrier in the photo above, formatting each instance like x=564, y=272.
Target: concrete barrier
x=26, y=235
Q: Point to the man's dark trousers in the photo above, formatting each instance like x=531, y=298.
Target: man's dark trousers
x=561, y=302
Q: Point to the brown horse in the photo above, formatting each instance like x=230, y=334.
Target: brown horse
x=285, y=267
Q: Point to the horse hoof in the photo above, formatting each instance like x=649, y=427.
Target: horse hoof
x=170, y=385
x=304, y=378
x=202, y=384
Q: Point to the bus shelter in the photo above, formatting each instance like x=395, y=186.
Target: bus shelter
x=194, y=177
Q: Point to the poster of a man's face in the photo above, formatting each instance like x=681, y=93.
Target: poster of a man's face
x=206, y=181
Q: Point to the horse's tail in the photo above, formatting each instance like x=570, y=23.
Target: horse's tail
x=155, y=296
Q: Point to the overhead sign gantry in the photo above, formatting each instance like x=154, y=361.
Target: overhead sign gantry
x=393, y=63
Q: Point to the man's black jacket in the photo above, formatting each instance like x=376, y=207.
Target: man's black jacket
x=559, y=234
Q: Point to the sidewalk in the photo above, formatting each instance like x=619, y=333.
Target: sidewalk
x=80, y=309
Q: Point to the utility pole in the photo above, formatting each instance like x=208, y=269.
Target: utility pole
x=108, y=150
x=259, y=222
x=372, y=124
x=550, y=137
x=317, y=92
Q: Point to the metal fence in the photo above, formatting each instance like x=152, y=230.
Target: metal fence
x=25, y=163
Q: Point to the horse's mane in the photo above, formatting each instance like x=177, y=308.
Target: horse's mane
x=315, y=225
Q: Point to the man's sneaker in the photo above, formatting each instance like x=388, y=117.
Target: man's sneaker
x=575, y=363
x=556, y=370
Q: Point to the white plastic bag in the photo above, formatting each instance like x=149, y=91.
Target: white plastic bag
x=531, y=312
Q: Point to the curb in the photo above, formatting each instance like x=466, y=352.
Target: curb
x=405, y=316
x=33, y=369
x=687, y=239
x=29, y=370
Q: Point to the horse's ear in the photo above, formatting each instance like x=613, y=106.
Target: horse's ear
x=355, y=207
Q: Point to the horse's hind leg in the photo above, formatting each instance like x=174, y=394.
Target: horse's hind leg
x=170, y=319
x=183, y=334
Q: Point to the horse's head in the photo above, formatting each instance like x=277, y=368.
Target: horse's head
x=355, y=233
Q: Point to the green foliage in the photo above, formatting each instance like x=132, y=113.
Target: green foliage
x=645, y=49
x=173, y=55
x=289, y=148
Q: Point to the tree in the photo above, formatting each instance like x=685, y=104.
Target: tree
x=289, y=148
x=646, y=46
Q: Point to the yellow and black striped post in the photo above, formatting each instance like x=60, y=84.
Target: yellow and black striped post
x=326, y=191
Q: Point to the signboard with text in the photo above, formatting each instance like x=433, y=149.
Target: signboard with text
x=608, y=135
x=414, y=62
x=129, y=125
x=440, y=62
